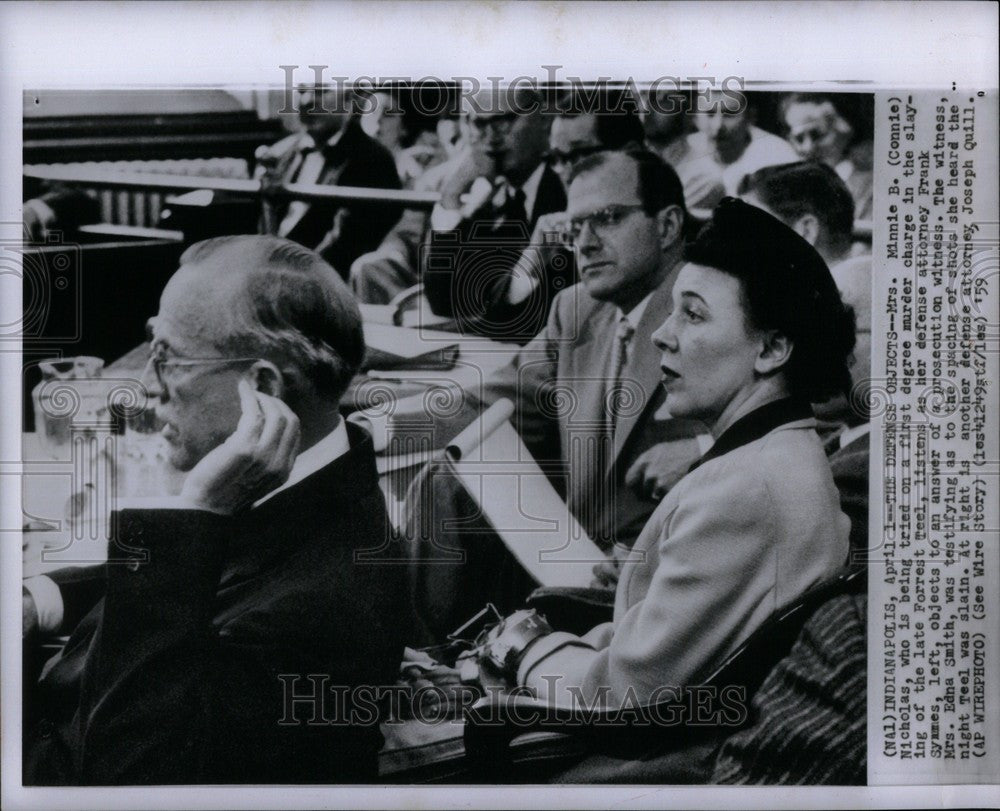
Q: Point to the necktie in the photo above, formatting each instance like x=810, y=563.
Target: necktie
x=619, y=355
x=309, y=171
x=514, y=210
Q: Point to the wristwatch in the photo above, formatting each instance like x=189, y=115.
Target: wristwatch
x=510, y=639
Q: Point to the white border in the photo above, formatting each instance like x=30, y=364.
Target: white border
x=114, y=44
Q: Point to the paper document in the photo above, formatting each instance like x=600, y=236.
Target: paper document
x=535, y=524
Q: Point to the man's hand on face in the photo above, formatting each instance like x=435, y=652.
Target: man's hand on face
x=473, y=163
x=254, y=460
x=661, y=467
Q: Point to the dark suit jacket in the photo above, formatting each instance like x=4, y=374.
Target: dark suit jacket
x=355, y=160
x=186, y=669
x=849, y=466
x=466, y=271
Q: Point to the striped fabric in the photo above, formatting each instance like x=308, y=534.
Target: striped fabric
x=809, y=716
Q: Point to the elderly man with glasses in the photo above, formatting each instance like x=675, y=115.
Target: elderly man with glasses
x=259, y=584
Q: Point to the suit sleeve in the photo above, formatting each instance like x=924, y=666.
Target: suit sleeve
x=368, y=222
x=530, y=382
x=165, y=697
x=715, y=567
x=446, y=263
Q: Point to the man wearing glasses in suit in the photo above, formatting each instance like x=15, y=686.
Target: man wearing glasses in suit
x=259, y=581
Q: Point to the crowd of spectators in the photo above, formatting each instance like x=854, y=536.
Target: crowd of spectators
x=697, y=254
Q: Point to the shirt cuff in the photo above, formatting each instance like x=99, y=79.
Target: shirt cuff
x=705, y=442
x=377, y=425
x=48, y=602
x=445, y=219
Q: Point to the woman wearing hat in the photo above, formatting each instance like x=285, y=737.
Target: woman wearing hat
x=757, y=332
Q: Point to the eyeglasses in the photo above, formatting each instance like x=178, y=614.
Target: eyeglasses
x=600, y=221
x=809, y=136
x=160, y=363
x=556, y=157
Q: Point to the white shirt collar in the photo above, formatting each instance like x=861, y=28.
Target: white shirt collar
x=634, y=315
x=334, y=445
x=505, y=188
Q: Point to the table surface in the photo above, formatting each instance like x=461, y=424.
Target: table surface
x=66, y=498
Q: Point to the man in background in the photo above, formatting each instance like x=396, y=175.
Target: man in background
x=496, y=190
x=580, y=125
x=331, y=150
x=668, y=124
x=267, y=563
x=729, y=146
x=586, y=389
x=819, y=132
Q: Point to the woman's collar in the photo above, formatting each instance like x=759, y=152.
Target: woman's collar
x=757, y=423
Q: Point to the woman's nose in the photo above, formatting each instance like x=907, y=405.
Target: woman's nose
x=664, y=338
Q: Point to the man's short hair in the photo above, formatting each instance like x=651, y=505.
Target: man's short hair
x=616, y=114
x=791, y=190
x=659, y=186
x=292, y=309
x=819, y=99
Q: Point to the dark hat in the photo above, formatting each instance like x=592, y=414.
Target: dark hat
x=786, y=284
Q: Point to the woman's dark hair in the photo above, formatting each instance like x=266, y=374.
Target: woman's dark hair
x=786, y=287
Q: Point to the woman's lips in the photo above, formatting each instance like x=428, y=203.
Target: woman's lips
x=669, y=375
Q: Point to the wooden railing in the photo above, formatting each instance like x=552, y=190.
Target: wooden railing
x=310, y=192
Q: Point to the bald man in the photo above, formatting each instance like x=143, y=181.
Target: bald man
x=184, y=661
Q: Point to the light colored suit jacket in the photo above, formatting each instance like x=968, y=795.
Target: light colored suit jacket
x=739, y=537
x=559, y=383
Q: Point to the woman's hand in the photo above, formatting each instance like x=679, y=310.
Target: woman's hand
x=662, y=466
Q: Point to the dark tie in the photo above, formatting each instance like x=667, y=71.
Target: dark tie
x=304, y=152
x=513, y=209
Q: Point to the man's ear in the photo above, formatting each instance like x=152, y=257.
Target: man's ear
x=670, y=222
x=775, y=352
x=807, y=227
x=267, y=378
